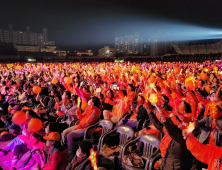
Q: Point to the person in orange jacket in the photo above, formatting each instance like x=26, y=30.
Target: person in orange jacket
x=210, y=155
x=88, y=118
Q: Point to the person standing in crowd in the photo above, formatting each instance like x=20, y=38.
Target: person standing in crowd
x=211, y=126
x=208, y=154
x=174, y=153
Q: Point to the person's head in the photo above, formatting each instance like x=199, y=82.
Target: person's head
x=76, y=83
x=94, y=101
x=30, y=114
x=99, y=80
x=140, y=100
x=39, y=80
x=200, y=83
x=52, y=139
x=214, y=112
x=8, y=78
x=23, y=77
x=51, y=127
x=74, y=99
x=212, y=76
x=76, y=79
x=66, y=95
x=131, y=87
x=85, y=88
x=105, y=84
x=158, y=88
x=184, y=107
x=84, y=149
x=215, y=80
x=3, y=83
x=13, y=84
x=35, y=79
x=44, y=91
x=101, y=97
x=27, y=88
x=42, y=83
x=53, y=91
x=4, y=78
x=164, y=99
x=109, y=94
x=213, y=97
x=29, y=77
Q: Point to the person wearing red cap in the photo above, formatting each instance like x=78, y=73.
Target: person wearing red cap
x=57, y=159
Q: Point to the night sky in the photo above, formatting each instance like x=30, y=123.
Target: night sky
x=91, y=24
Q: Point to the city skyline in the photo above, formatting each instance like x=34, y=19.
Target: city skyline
x=160, y=43
x=93, y=24
x=25, y=37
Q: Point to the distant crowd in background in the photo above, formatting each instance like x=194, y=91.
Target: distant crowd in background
x=51, y=57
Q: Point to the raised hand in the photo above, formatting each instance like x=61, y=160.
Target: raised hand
x=186, y=135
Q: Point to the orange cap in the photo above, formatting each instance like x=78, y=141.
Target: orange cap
x=53, y=136
x=4, y=132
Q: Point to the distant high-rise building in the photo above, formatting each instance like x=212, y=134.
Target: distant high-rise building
x=25, y=37
x=45, y=34
x=147, y=48
x=130, y=44
x=153, y=46
x=10, y=33
x=160, y=44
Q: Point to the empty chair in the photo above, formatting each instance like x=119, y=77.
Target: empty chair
x=106, y=125
x=151, y=148
x=126, y=133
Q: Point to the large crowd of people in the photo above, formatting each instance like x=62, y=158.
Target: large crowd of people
x=45, y=109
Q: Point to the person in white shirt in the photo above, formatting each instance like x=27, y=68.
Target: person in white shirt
x=70, y=112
